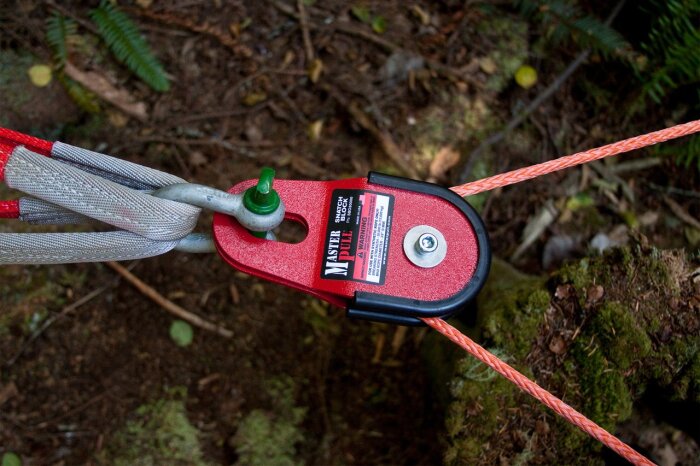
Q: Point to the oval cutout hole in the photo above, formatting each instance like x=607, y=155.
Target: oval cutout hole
x=291, y=231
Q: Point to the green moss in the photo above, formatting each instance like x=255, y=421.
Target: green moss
x=475, y=415
x=619, y=334
x=509, y=36
x=159, y=433
x=510, y=309
x=270, y=437
x=605, y=396
x=623, y=340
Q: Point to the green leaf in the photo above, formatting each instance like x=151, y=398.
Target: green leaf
x=124, y=40
x=362, y=13
x=181, y=333
x=379, y=24
x=81, y=96
x=11, y=459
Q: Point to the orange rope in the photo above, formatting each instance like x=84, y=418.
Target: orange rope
x=527, y=173
x=520, y=380
x=530, y=387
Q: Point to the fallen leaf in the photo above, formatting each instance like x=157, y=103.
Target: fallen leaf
x=444, y=160
x=105, y=90
x=379, y=24
x=289, y=57
x=362, y=13
x=40, y=75
x=421, y=14
x=488, y=65
x=536, y=227
x=197, y=159
x=315, y=70
x=557, y=345
x=594, y=294
x=563, y=292
x=117, y=118
x=314, y=130
x=144, y=3
x=253, y=98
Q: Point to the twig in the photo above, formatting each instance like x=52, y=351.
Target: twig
x=634, y=165
x=522, y=116
x=223, y=37
x=385, y=140
x=168, y=305
x=304, y=23
x=674, y=191
x=679, y=212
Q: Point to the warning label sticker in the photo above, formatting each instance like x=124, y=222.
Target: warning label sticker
x=357, y=237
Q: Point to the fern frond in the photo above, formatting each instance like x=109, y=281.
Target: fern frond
x=686, y=153
x=126, y=43
x=564, y=19
x=595, y=34
x=673, y=46
x=58, y=29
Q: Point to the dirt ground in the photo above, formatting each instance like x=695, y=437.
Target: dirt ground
x=241, y=99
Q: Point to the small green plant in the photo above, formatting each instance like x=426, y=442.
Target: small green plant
x=363, y=14
x=126, y=43
x=181, y=333
x=11, y=459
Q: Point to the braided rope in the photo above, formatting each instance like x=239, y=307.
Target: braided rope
x=626, y=145
x=539, y=393
x=520, y=380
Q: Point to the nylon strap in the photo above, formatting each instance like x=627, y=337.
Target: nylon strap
x=78, y=186
x=99, y=198
x=66, y=248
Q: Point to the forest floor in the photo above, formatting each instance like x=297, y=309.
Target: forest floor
x=82, y=350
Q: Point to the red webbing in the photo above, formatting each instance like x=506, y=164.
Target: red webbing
x=9, y=139
x=9, y=209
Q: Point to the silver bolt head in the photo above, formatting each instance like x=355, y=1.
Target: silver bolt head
x=427, y=243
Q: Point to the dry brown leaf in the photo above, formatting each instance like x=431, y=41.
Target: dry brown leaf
x=557, y=345
x=445, y=159
x=7, y=392
x=105, y=90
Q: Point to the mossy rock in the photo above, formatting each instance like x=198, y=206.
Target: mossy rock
x=599, y=333
x=158, y=433
x=270, y=437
